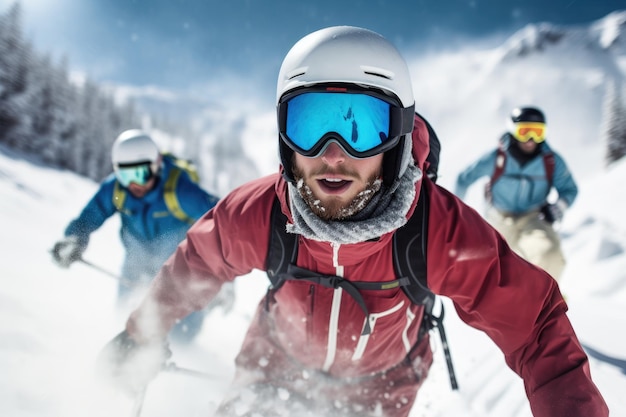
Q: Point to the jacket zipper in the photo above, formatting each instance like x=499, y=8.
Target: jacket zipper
x=311, y=309
x=410, y=317
x=333, y=325
x=360, y=347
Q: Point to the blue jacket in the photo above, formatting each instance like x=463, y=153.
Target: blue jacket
x=520, y=189
x=149, y=231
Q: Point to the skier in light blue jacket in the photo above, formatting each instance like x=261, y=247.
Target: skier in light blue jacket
x=523, y=170
x=158, y=201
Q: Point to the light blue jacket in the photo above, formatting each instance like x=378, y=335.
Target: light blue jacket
x=149, y=231
x=520, y=189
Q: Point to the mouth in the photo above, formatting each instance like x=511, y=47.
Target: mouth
x=333, y=185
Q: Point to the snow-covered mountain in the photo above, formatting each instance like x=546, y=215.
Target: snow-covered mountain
x=606, y=35
x=469, y=93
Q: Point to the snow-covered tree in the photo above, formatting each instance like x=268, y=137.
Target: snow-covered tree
x=614, y=122
x=225, y=162
x=14, y=69
x=43, y=112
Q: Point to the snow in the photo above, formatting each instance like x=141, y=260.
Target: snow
x=53, y=322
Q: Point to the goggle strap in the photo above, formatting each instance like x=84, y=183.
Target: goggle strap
x=134, y=164
x=407, y=116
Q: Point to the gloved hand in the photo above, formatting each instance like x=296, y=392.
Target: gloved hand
x=67, y=251
x=130, y=366
x=554, y=212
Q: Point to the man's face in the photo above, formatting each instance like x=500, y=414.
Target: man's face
x=527, y=147
x=139, y=191
x=335, y=185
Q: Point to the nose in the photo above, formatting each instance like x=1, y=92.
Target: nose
x=334, y=154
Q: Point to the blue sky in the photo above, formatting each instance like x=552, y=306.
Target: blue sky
x=182, y=43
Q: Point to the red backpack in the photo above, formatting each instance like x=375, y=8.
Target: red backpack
x=548, y=162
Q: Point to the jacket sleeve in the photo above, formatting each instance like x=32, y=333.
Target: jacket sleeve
x=229, y=241
x=516, y=304
x=95, y=213
x=483, y=167
x=563, y=181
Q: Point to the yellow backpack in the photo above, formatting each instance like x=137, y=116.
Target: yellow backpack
x=180, y=165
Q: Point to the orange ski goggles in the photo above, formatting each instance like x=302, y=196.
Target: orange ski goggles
x=525, y=131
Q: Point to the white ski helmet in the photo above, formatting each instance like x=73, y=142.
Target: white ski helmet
x=134, y=147
x=352, y=56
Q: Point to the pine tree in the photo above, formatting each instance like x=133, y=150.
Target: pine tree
x=14, y=69
x=613, y=123
x=44, y=112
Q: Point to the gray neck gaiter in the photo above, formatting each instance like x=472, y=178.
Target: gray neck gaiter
x=384, y=213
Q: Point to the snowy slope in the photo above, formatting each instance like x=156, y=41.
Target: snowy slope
x=55, y=321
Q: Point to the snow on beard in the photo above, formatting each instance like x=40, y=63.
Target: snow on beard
x=333, y=209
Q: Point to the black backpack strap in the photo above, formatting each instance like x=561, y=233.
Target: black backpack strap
x=409, y=256
x=435, y=150
x=282, y=249
x=351, y=287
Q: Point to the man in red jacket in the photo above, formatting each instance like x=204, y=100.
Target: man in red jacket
x=351, y=176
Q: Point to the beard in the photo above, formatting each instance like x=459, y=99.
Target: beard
x=335, y=209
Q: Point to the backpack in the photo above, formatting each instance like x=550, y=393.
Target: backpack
x=186, y=165
x=434, y=150
x=409, y=260
x=548, y=162
x=179, y=166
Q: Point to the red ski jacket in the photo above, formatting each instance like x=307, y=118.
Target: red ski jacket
x=516, y=304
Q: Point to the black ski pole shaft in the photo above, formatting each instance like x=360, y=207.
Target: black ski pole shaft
x=446, y=348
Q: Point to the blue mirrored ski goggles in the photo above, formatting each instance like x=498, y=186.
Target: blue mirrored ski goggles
x=139, y=173
x=363, y=124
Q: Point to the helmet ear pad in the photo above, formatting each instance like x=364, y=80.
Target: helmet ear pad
x=157, y=165
x=287, y=160
x=391, y=161
x=397, y=159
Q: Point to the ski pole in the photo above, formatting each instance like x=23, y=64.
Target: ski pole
x=438, y=323
x=123, y=281
x=100, y=269
x=168, y=367
x=172, y=367
x=96, y=267
x=138, y=404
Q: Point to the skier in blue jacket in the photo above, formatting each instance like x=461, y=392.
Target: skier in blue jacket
x=157, y=201
x=523, y=171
